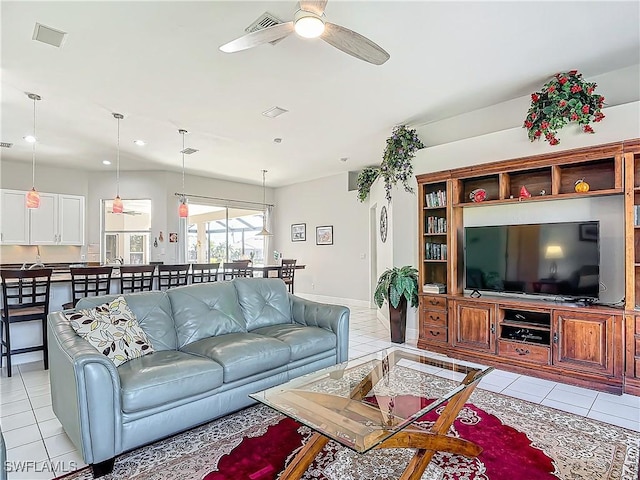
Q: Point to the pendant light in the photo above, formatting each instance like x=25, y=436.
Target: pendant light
x=33, y=197
x=117, y=202
x=264, y=232
x=183, y=209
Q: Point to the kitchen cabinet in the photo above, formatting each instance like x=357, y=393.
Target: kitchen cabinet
x=59, y=220
x=14, y=223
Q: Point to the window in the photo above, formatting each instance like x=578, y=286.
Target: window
x=127, y=236
x=219, y=234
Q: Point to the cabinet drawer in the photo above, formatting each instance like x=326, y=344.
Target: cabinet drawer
x=432, y=333
x=434, y=302
x=437, y=318
x=525, y=351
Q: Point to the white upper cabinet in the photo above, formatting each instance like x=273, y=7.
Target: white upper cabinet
x=71, y=220
x=44, y=221
x=14, y=221
x=58, y=221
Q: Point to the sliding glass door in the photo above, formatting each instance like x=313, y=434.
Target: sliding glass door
x=224, y=234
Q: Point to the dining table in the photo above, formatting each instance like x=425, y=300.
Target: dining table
x=266, y=270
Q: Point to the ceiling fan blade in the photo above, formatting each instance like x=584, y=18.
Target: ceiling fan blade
x=253, y=39
x=354, y=44
x=313, y=6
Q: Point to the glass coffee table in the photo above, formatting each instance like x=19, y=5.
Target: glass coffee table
x=373, y=401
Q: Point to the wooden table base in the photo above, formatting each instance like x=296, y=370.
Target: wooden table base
x=428, y=442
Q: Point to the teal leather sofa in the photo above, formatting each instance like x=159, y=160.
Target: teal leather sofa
x=214, y=344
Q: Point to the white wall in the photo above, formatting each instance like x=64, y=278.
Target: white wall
x=340, y=270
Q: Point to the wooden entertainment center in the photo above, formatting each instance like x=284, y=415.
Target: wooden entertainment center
x=593, y=346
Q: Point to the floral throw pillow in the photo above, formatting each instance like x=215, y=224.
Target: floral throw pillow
x=113, y=330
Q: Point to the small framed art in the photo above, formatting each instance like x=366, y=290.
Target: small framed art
x=324, y=235
x=299, y=232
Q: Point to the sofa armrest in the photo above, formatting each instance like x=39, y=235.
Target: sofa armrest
x=334, y=318
x=85, y=392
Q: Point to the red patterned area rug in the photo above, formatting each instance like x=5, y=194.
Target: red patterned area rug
x=521, y=440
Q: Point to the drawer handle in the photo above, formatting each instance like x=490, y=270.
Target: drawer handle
x=522, y=351
x=433, y=302
x=435, y=334
x=435, y=319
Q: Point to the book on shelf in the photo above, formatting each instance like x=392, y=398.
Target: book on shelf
x=636, y=213
x=436, y=199
x=436, y=225
x=435, y=251
x=434, y=288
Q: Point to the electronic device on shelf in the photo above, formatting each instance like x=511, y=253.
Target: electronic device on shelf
x=550, y=259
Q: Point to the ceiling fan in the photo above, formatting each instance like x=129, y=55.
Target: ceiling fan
x=309, y=22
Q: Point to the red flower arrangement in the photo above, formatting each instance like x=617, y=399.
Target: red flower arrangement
x=565, y=98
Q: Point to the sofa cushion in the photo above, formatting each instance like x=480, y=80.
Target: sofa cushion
x=112, y=329
x=303, y=341
x=263, y=301
x=165, y=377
x=205, y=310
x=242, y=354
x=153, y=311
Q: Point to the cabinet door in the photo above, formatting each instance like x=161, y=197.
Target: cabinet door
x=71, y=220
x=474, y=325
x=15, y=218
x=44, y=221
x=584, y=341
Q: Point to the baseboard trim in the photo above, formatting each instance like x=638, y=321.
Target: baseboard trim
x=347, y=302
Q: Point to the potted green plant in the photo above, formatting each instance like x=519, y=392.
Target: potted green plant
x=398, y=286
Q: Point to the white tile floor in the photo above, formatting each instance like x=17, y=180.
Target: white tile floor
x=32, y=432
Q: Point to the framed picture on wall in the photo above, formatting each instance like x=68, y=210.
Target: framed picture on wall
x=299, y=232
x=324, y=235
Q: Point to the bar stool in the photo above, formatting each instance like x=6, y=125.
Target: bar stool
x=287, y=272
x=204, y=272
x=170, y=276
x=25, y=298
x=88, y=282
x=136, y=278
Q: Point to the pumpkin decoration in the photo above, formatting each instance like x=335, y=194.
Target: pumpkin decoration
x=581, y=186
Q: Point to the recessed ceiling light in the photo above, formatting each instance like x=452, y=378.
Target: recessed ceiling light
x=277, y=140
x=30, y=138
x=106, y=162
x=274, y=112
x=344, y=159
x=140, y=143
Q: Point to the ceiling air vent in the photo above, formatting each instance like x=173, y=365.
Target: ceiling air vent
x=265, y=20
x=6, y=144
x=188, y=151
x=49, y=35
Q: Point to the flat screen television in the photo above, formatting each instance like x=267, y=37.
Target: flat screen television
x=552, y=259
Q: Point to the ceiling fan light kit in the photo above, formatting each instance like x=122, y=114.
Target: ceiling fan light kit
x=308, y=25
x=309, y=22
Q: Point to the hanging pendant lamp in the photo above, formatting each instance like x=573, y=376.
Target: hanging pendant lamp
x=33, y=197
x=117, y=202
x=183, y=209
x=264, y=232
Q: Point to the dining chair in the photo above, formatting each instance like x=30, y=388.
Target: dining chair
x=136, y=278
x=170, y=276
x=88, y=282
x=204, y=272
x=25, y=298
x=287, y=272
x=240, y=268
